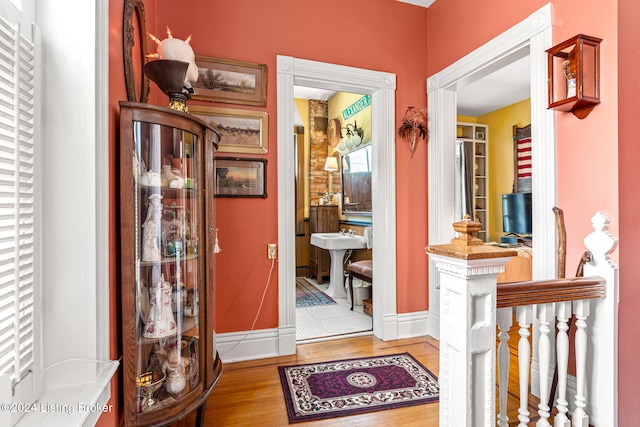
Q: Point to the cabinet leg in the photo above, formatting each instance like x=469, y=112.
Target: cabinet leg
x=200, y=415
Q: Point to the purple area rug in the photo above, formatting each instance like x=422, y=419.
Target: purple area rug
x=355, y=386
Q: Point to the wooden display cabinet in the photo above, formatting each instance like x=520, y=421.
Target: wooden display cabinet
x=322, y=219
x=170, y=364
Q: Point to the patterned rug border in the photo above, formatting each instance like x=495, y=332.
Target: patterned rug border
x=316, y=297
x=324, y=404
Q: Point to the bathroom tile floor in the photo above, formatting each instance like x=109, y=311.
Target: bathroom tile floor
x=330, y=321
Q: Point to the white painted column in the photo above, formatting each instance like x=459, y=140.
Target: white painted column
x=468, y=272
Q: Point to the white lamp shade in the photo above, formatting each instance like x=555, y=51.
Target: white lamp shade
x=331, y=164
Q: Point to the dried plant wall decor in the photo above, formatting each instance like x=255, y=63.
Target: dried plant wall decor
x=413, y=126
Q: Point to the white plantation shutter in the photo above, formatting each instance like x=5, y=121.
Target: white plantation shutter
x=17, y=74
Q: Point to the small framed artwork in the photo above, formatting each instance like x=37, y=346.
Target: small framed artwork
x=229, y=81
x=238, y=177
x=241, y=131
x=480, y=136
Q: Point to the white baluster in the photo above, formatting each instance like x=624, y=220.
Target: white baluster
x=545, y=317
x=603, y=327
x=524, y=316
x=581, y=311
x=445, y=372
x=504, y=321
x=563, y=310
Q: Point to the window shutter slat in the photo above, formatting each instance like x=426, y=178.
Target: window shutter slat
x=17, y=70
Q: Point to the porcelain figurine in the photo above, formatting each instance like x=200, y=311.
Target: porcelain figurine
x=175, y=368
x=150, y=179
x=151, y=230
x=172, y=176
x=160, y=322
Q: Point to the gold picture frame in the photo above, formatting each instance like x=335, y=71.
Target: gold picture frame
x=241, y=131
x=230, y=81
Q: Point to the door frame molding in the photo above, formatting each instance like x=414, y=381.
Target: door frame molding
x=381, y=86
x=530, y=37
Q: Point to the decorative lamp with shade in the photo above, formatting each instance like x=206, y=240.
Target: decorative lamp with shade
x=331, y=165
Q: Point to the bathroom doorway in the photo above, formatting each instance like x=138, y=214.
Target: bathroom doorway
x=326, y=122
x=380, y=86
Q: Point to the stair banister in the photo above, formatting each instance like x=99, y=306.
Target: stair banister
x=469, y=273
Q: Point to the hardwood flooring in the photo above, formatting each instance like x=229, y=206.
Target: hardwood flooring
x=249, y=393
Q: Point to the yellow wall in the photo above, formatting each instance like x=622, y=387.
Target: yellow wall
x=337, y=103
x=342, y=100
x=501, y=157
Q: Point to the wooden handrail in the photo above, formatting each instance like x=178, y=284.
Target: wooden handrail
x=547, y=291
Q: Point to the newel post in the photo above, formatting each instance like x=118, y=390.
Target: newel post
x=468, y=271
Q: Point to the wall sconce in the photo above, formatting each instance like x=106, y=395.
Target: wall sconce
x=353, y=138
x=331, y=165
x=574, y=75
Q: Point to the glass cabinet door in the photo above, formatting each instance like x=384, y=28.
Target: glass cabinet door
x=168, y=277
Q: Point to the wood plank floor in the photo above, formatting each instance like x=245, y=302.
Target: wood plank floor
x=249, y=393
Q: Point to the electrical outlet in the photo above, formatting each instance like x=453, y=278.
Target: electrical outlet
x=271, y=250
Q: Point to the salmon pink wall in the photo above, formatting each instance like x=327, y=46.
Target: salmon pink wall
x=587, y=150
x=629, y=176
x=382, y=35
x=581, y=144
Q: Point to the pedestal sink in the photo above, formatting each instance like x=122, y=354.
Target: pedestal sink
x=337, y=244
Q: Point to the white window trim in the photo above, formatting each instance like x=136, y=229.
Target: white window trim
x=74, y=184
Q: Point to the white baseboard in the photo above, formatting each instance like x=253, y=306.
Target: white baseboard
x=414, y=324
x=248, y=345
x=261, y=344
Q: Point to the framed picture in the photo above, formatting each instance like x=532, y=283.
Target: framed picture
x=241, y=131
x=233, y=82
x=236, y=177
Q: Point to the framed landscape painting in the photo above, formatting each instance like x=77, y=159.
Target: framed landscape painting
x=241, y=131
x=229, y=81
x=238, y=177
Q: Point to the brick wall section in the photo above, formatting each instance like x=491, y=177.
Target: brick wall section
x=318, y=118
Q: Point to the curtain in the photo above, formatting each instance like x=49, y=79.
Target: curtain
x=467, y=162
x=464, y=172
x=522, y=146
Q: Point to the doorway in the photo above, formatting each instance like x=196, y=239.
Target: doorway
x=381, y=86
x=530, y=37
x=320, y=208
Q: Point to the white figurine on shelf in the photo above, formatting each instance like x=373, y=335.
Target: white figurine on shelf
x=175, y=368
x=160, y=321
x=150, y=179
x=172, y=176
x=151, y=230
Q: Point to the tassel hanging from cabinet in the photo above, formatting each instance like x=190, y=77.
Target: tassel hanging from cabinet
x=216, y=246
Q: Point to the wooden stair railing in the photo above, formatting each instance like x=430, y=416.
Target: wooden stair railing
x=553, y=298
x=469, y=297
x=549, y=291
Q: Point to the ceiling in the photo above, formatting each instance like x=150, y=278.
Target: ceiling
x=506, y=86
x=423, y=3
x=503, y=87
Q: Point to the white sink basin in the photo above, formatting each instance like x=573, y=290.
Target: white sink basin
x=337, y=244
x=336, y=241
